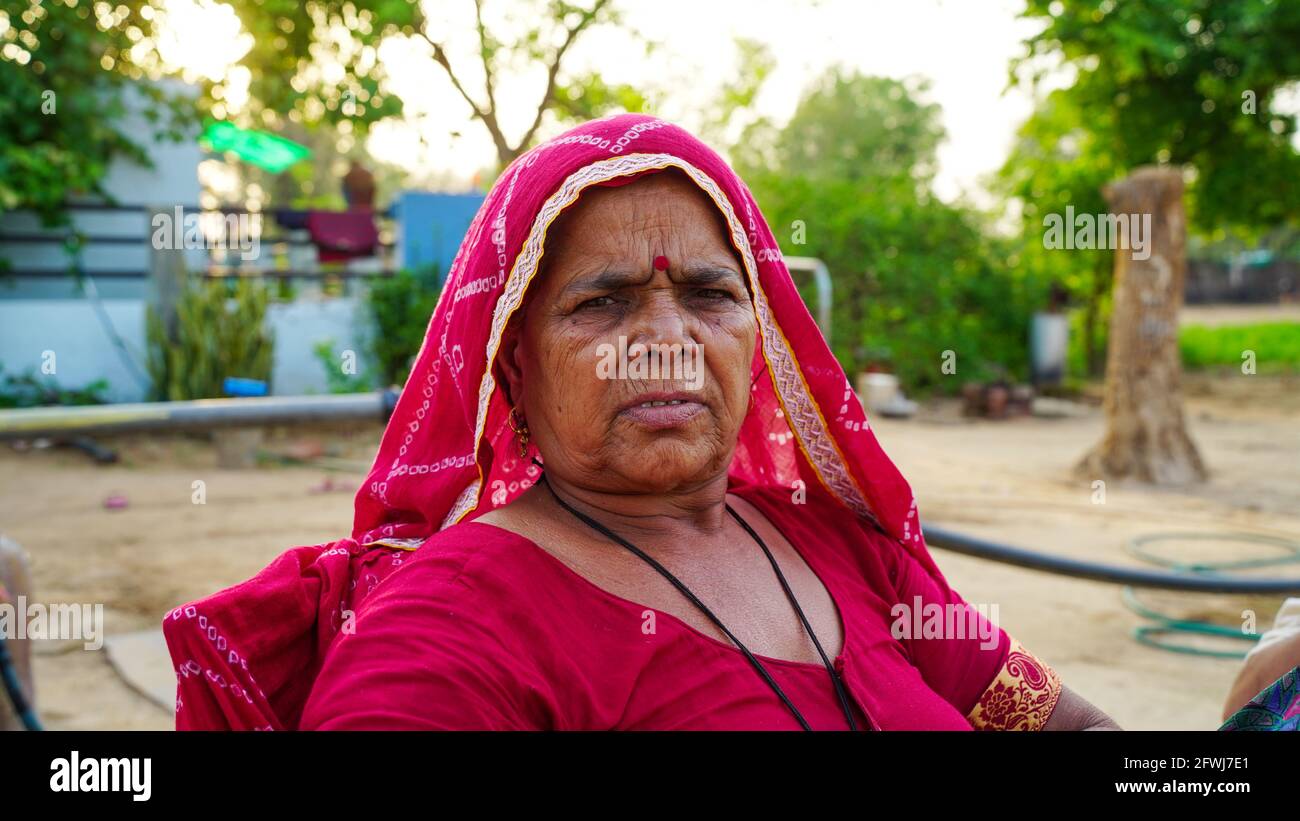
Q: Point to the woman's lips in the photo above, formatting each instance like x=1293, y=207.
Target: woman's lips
x=661, y=414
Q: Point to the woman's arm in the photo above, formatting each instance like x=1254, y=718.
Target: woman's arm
x=1074, y=712
x=1277, y=652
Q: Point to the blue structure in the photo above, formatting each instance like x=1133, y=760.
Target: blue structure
x=432, y=227
x=240, y=386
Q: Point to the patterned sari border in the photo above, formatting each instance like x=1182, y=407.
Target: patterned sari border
x=1022, y=696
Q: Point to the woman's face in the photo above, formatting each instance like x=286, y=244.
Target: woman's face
x=587, y=415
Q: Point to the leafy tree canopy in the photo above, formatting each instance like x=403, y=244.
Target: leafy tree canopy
x=71, y=71
x=847, y=180
x=1183, y=82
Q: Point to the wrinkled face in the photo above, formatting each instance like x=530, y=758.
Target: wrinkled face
x=600, y=318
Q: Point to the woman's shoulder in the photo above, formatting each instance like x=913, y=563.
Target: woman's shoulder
x=466, y=556
x=451, y=639
x=469, y=585
x=473, y=577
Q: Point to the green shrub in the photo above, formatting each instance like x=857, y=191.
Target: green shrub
x=220, y=331
x=27, y=390
x=1276, y=346
x=400, y=307
x=337, y=380
x=912, y=278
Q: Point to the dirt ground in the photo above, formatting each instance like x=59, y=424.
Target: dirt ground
x=1009, y=481
x=1215, y=316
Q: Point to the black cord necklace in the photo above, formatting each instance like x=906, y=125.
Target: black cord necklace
x=685, y=591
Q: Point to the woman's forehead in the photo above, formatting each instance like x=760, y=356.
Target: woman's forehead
x=660, y=214
x=667, y=196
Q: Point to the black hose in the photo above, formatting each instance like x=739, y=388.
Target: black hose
x=1133, y=577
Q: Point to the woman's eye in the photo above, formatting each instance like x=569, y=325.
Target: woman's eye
x=713, y=293
x=597, y=302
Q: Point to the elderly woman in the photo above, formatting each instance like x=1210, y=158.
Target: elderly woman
x=548, y=542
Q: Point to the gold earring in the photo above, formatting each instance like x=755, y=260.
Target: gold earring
x=520, y=427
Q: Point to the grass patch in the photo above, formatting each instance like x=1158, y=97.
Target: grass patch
x=1276, y=346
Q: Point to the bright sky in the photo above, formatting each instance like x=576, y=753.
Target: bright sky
x=962, y=47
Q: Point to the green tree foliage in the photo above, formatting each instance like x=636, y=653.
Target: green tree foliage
x=1183, y=82
x=71, y=71
x=291, y=41
x=854, y=128
x=545, y=41
x=67, y=82
x=1060, y=161
x=309, y=63
x=735, y=100
x=913, y=277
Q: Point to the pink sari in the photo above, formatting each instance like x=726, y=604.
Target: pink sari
x=246, y=657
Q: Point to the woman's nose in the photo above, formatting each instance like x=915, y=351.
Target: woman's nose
x=661, y=318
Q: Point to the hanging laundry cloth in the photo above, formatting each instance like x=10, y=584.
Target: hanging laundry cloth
x=343, y=235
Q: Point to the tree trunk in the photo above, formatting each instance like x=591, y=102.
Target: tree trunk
x=1102, y=282
x=1090, y=312
x=1146, y=438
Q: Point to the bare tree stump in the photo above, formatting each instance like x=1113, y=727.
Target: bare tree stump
x=1146, y=438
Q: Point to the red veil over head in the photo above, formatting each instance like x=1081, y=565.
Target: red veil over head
x=448, y=453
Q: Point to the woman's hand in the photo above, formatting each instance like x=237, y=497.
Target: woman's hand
x=1262, y=668
x=1074, y=712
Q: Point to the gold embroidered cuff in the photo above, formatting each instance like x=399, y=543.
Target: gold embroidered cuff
x=1021, y=697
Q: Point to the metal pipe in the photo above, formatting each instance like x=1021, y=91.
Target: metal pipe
x=202, y=414
x=96, y=239
x=255, y=273
x=822, y=277
x=1134, y=577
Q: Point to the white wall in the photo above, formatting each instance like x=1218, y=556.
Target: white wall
x=299, y=326
x=83, y=350
x=48, y=314
x=173, y=180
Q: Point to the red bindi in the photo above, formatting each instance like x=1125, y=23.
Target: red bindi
x=661, y=263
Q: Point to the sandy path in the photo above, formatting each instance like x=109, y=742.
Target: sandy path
x=1006, y=480
x=1218, y=315
x=161, y=551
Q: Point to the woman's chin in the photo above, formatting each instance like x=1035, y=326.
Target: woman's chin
x=666, y=466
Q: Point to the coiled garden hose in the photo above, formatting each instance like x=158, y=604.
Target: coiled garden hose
x=1193, y=577
x=1154, y=635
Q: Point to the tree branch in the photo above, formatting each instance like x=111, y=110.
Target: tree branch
x=488, y=116
x=484, y=53
x=554, y=70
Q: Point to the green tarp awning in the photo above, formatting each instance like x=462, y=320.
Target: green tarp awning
x=257, y=147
